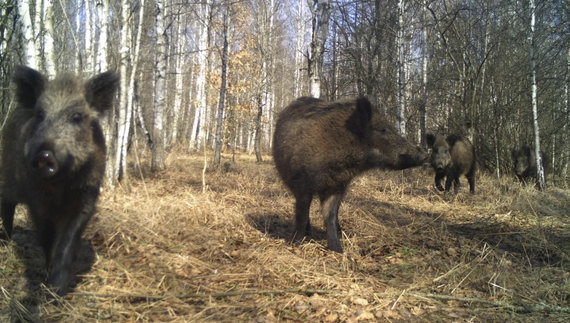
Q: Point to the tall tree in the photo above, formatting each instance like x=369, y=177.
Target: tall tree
x=28, y=36
x=534, y=101
x=400, y=65
x=320, y=30
x=198, y=131
x=221, y=102
x=158, y=153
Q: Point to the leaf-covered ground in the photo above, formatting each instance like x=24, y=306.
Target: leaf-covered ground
x=162, y=250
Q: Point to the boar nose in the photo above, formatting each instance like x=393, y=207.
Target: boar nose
x=44, y=164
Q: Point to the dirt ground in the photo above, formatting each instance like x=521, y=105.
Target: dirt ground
x=161, y=249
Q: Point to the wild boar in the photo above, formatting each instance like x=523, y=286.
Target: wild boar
x=319, y=147
x=524, y=160
x=53, y=160
x=452, y=157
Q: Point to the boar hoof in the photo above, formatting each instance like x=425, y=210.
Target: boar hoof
x=44, y=164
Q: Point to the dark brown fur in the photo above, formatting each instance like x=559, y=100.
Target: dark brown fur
x=452, y=157
x=524, y=160
x=53, y=160
x=319, y=147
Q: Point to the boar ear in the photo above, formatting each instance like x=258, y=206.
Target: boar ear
x=364, y=110
x=29, y=85
x=430, y=139
x=100, y=91
x=359, y=120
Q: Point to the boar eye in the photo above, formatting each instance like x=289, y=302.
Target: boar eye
x=77, y=117
x=40, y=115
x=384, y=131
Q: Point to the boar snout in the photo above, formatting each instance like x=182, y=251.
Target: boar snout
x=44, y=164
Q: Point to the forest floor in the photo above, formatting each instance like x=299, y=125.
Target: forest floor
x=162, y=250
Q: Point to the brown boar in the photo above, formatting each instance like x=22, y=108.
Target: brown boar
x=452, y=157
x=319, y=147
x=53, y=160
x=524, y=160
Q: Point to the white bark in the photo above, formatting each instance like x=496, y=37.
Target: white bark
x=88, y=66
x=27, y=34
x=179, y=79
x=103, y=18
x=199, y=125
x=534, y=91
x=158, y=159
x=320, y=27
x=299, y=45
x=400, y=106
x=49, y=54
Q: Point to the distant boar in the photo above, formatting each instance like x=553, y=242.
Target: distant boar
x=525, y=163
x=53, y=160
x=452, y=157
x=319, y=147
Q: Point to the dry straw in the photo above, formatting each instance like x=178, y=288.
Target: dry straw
x=165, y=251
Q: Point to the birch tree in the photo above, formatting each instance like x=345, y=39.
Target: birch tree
x=400, y=107
x=221, y=102
x=320, y=29
x=198, y=131
x=540, y=167
x=158, y=153
x=47, y=35
x=28, y=44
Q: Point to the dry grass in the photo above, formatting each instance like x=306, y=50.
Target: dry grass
x=163, y=251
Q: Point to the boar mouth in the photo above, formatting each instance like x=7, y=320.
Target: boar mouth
x=44, y=164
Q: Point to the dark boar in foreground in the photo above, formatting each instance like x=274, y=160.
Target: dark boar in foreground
x=525, y=164
x=452, y=157
x=319, y=147
x=53, y=161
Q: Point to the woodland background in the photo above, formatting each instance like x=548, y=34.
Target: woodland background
x=214, y=73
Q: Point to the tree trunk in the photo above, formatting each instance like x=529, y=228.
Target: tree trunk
x=320, y=30
x=539, y=165
x=179, y=80
x=299, y=43
x=218, y=139
x=158, y=155
x=423, y=104
x=257, y=139
x=27, y=34
x=103, y=18
x=49, y=51
x=199, y=124
x=400, y=104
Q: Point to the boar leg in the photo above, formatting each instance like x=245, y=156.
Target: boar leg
x=452, y=180
x=471, y=180
x=302, y=224
x=330, y=205
x=65, y=245
x=7, y=212
x=438, y=177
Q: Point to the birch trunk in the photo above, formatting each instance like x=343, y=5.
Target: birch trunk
x=27, y=34
x=49, y=55
x=158, y=162
x=400, y=106
x=199, y=125
x=539, y=165
x=89, y=41
x=103, y=18
x=218, y=138
x=320, y=29
x=299, y=44
x=180, y=62
x=257, y=138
